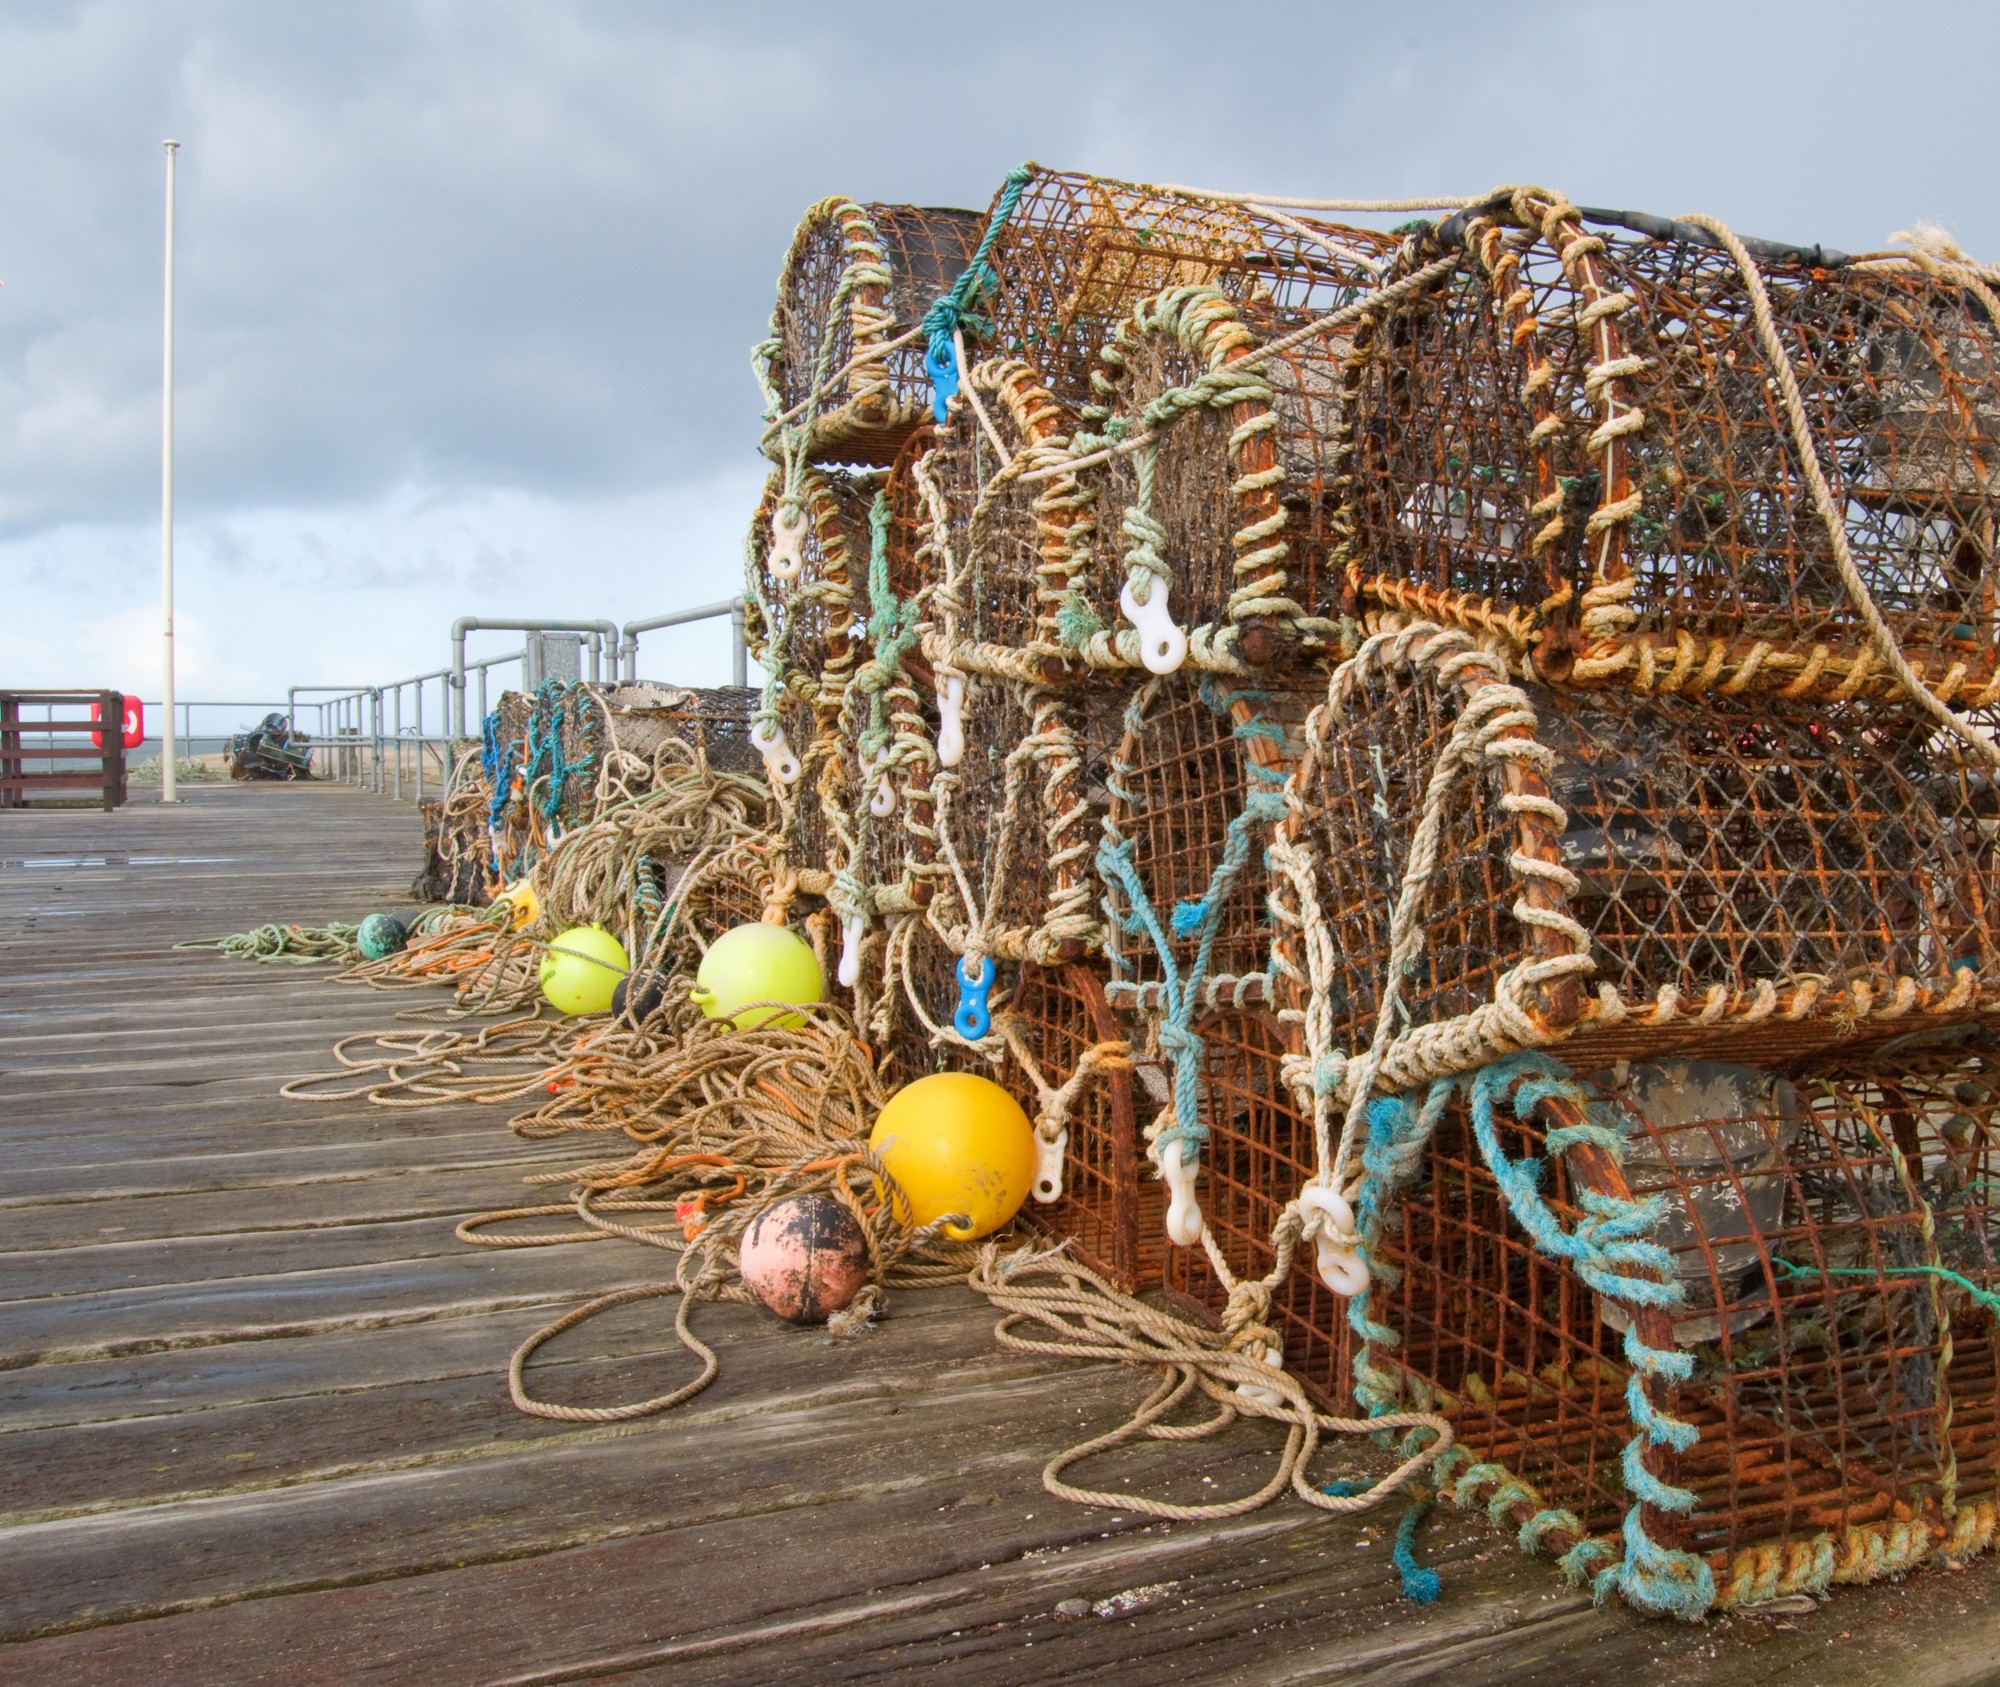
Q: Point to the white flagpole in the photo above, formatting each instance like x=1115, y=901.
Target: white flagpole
x=167, y=747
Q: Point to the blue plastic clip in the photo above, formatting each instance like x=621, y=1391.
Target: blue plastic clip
x=942, y=366
x=973, y=1021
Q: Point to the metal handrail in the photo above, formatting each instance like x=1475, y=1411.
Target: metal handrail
x=605, y=631
x=739, y=656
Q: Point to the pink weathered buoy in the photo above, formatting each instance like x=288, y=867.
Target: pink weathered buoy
x=804, y=1257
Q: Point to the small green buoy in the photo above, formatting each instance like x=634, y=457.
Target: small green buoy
x=380, y=935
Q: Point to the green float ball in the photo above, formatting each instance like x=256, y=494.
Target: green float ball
x=757, y=963
x=379, y=936
x=581, y=970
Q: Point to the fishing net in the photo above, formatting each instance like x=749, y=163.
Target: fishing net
x=1580, y=438
x=857, y=279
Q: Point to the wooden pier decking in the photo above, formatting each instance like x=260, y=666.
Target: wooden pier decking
x=254, y=1425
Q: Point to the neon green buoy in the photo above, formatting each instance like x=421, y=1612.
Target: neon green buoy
x=582, y=968
x=757, y=963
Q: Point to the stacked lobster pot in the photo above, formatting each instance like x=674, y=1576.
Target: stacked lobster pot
x=1454, y=775
x=1633, y=901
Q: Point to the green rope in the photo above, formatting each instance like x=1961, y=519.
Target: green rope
x=298, y=946
x=1985, y=1297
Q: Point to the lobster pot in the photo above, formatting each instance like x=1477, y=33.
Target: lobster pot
x=1192, y=761
x=1843, y=1392
x=458, y=852
x=1747, y=875
x=1259, y=1153
x=909, y=990
x=1008, y=860
x=1592, y=458
x=1079, y=252
x=671, y=725
x=808, y=619
x=858, y=277
x=1110, y=1211
x=1194, y=513
x=1010, y=549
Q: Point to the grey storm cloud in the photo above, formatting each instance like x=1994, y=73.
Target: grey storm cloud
x=505, y=244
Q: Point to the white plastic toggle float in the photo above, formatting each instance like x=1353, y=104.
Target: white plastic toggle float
x=779, y=762
x=1341, y=1267
x=882, y=803
x=849, y=971
x=1183, y=1209
x=787, y=556
x=1265, y=1396
x=1163, y=647
x=1049, y=1151
x=951, y=721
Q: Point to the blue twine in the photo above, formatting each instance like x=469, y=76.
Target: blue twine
x=1421, y=1585
x=952, y=309
x=1607, y=1244
x=1197, y=917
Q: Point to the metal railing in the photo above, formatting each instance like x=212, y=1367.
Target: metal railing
x=367, y=737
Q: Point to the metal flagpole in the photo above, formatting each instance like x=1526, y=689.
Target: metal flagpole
x=167, y=747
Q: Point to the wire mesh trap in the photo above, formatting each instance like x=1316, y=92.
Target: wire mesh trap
x=808, y=593
x=1192, y=516
x=1825, y=1246
x=1579, y=439
x=1008, y=857
x=1078, y=252
x=857, y=278
x=1000, y=554
x=1193, y=782
x=1107, y=1211
x=1749, y=875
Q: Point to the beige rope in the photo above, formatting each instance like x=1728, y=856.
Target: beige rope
x=1823, y=500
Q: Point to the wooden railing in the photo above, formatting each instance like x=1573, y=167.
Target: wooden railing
x=62, y=746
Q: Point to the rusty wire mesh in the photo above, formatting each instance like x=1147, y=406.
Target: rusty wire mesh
x=858, y=277
x=1178, y=773
x=1012, y=832
x=1013, y=544
x=814, y=614
x=1110, y=1215
x=1258, y=1155
x=1838, y=1382
x=1217, y=521
x=1577, y=433
x=1080, y=251
x=1754, y=873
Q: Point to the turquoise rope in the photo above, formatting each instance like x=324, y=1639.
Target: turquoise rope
x=1606, y=1246
x=1421, y=1585
x=1198, y=918
x=953, y=309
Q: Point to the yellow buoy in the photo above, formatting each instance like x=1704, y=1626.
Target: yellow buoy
x=581, y=970
x=523, y=905
x=957, y=1143
x=757, y=963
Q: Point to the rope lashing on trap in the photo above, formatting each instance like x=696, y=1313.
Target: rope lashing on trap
x=1176, y=1139
x=1609, y=1245
x=953, y=310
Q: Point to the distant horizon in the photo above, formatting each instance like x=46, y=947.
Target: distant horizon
x=467, y=291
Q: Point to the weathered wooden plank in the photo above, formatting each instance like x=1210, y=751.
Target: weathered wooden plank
x=382, y=1198
x=297, y=1303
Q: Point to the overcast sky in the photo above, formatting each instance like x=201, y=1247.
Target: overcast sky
x=467, y=287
